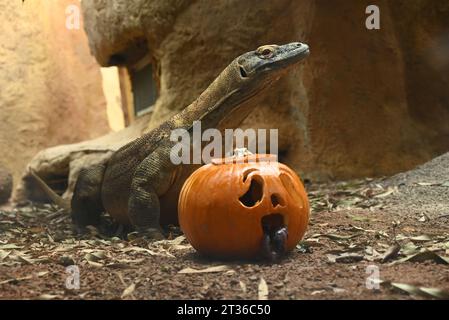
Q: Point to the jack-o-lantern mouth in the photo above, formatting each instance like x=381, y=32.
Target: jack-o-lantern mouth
x=272, y=222
x=275, y=236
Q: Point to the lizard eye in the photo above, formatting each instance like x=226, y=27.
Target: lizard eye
x=265, y=52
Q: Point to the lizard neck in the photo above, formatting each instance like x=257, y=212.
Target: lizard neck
x=220, y=105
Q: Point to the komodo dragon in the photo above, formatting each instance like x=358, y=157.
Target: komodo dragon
x=139, y=182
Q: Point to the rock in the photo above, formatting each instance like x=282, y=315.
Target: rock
x=51, y=87
x=5, y=184
x=422, y=191
x=59, y=166
x=365, y=103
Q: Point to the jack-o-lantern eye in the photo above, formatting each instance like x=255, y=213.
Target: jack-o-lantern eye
x=253, y=196
x=247, y=172
x=276, y=200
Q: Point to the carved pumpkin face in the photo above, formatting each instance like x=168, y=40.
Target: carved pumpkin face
x=225, y=207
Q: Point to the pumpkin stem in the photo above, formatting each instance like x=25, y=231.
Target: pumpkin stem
x=241, y=152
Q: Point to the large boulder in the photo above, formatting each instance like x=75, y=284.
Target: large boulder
x=6, y=184
x=59, y=166
x=50, y=85
x=366, y=102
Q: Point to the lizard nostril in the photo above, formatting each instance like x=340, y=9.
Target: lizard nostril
x=243, y=72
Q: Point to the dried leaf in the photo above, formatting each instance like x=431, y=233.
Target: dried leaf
x=409, y=248
x=178, y=240
x=221, y=268
x=9, y=246
x=95, y=264
x=391, y=253
x=406, y=287
x=424, y=184
x=338, y=290
x=419, y=291
x=116, y=265
x=312, y=242
x=91, y=258
x=64, y=248
x=422, y=238
x=436, y=293
x=16, y=279
x=423, y=218
x=316, y=292
x=385, y=194
x=243, y=286
x=49, y=297
x=340, y=237
x=372, y=254
x=95, y=256
x=4, y=254
x=36, y=229
x=130, y=261
x=180, y=247
x=128, y=291
x=169, y=243
x=140, y=249
x=347, y=257
x=25, y=259
x=304, y=247
x=424, y=256
x=263, y=290
x=334, y=236
x=358, y=218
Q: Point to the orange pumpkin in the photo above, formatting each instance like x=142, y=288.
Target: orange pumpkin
x=223, y=205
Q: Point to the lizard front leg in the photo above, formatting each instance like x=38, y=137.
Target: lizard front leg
x=151, y=178
x=86, y=202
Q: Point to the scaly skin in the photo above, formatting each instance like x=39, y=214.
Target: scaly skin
x=139, y=182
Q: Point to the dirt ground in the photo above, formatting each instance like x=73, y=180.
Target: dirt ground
x=367, y=239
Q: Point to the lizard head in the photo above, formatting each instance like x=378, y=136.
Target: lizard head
x=246, y=76
x=267, y=63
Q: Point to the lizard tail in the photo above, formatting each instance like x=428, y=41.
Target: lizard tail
x=58, y=200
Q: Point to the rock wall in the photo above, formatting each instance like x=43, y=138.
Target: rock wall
x=50, y=85
x=5, y=184
x=365, y=103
